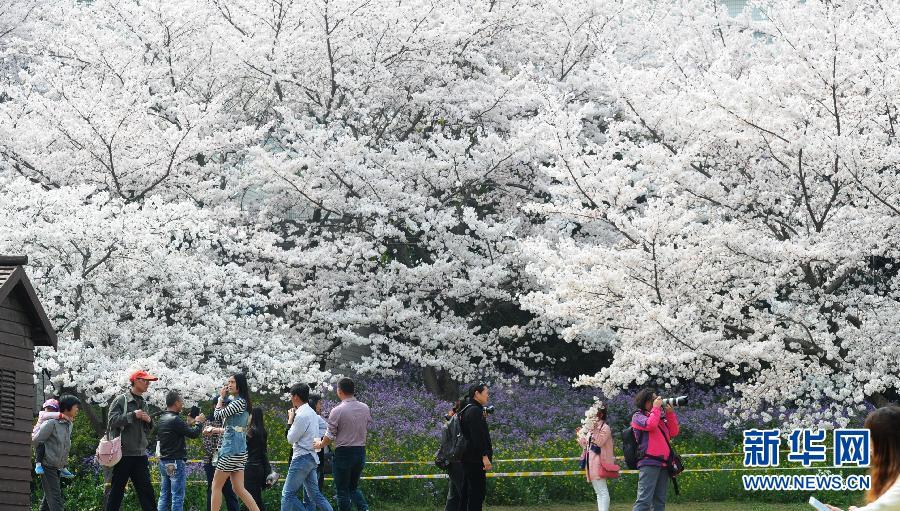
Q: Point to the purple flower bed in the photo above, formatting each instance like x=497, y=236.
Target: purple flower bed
x=526, y=414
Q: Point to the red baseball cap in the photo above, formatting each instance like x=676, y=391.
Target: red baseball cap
x=144, y=375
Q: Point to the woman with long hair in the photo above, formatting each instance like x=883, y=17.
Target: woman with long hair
x=884, y=469
x=232, y=456
x=258, y=466
x=595, y=437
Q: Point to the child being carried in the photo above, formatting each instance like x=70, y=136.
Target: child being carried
x=50, y=411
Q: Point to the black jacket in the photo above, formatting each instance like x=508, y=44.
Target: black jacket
x=171, y=431
x=257, y=450
x=475, y=429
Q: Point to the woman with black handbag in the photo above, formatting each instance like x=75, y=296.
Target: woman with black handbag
x=258, y=467
x=598, y=457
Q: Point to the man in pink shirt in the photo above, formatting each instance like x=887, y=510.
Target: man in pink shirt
x=348, y=424
x=653, y=428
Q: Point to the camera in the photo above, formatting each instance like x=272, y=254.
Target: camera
x=489, y=409
x=195, y=411
x=675, y=401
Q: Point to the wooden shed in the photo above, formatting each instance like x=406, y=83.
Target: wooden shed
x=23, y=325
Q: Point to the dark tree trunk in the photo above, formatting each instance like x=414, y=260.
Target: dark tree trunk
x=439, y=383
x=94, y=412
x=879, y=400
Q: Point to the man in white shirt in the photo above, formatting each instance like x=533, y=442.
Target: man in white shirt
x=304, y=427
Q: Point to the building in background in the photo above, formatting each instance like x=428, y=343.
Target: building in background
x=23, y=326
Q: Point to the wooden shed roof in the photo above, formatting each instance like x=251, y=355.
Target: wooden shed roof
x=14, y=281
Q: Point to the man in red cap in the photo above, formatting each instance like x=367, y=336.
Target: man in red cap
x=129, y=419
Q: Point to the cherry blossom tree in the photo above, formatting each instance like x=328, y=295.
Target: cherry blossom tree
x=366, y=161
x=737, y=219
x=120, y=151
x=399, y=155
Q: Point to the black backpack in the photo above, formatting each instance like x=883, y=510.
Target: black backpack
x=631, y=447
x=453, y=442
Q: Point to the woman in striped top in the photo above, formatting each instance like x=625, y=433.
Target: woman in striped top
x=233, y=452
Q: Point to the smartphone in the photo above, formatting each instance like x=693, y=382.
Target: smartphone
x=818, y=505
x=195, y=411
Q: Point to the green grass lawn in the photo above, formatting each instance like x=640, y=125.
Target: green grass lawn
x=690, y=506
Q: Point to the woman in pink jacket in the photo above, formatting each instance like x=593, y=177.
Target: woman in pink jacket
x=595, y=437
x=654, y=427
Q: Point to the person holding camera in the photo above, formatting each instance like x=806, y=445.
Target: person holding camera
x=653, y=428
x=211, y=441
x=232, y=455
x=595, y=437
x=884, y=493
x=171, y=433
x=128, y=416
x=476, y=461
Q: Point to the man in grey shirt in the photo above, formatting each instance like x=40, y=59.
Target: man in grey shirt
x=56, y=435
x=348, y=425
x=128, y=416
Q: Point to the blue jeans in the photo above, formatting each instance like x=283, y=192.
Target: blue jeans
x=347, y=468
x=302, y=472
x=653, y=484
x=171, y=491
x=314, y=498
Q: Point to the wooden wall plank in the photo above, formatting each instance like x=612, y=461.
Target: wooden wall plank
x=16, y=500
x=15, y=364
x=26, y=390
x=15, y=473
x=14, y=316
x=19, y=352
x=14, y=303
x=14, y=449
x=15, y=328
x=25, y=378
x=16, y=437
x=20, y=462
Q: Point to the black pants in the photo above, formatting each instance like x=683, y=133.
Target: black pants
x=321, y=472
x=39, y=453
x=255, y=481
x=52, y=500
x=454, y=492
x=136, y=468
x=474, y=486
x=346, y=469
x=228, y=495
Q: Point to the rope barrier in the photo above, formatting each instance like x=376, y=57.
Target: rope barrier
x=509, y=460
x=556, y=473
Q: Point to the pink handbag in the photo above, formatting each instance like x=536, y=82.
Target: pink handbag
x=109, y=451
